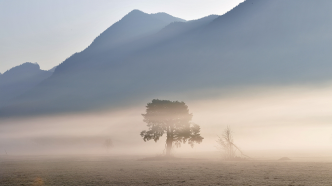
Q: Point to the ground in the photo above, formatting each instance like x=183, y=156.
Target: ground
x=135, y=171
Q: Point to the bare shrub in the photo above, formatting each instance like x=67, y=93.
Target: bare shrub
x=226, y=145
x=108, y=144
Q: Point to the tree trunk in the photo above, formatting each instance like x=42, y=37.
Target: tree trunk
x=169, y=142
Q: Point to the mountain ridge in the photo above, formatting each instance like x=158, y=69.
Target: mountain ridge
x=19, y=79
x=135, y=25
x=245, y=47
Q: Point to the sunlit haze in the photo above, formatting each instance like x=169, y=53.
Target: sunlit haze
x=156, y=92
x=268, y=123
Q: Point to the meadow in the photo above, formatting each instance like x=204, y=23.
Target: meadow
x=130, y=170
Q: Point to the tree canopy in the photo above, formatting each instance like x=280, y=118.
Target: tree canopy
x=172, y=118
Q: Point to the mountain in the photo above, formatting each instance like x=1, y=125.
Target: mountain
x=52, y=69
x=274, y=42
x=134, y=26
x=20, y=79
x=259, y=42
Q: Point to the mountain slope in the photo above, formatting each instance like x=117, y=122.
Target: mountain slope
x=134, y=25
x=131, y=27
x=89, y=75
x=275, y=41
x=260, y=42
x=20, y=79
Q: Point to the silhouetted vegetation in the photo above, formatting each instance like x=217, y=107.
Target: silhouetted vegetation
x=228, y=148
x=172, y=118
x=108, y=144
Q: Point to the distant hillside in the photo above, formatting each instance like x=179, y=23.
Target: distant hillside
x=259, y=42
x=19, y=79
x=52, y=69
x=133, y=26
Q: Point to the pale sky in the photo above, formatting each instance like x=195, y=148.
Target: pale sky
x=49, y=31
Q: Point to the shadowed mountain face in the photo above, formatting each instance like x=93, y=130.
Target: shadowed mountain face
x=133, y=26
x=260, y=42
x=19, y=79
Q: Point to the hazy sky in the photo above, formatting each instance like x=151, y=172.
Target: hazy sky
x=49, y=31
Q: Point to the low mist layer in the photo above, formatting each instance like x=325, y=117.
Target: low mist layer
x=267, y=123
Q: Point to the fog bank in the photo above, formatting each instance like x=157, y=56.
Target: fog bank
x=267, y=123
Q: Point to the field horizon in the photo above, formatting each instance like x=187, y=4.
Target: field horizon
x=131, y=170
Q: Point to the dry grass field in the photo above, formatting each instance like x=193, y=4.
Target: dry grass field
x=134, y=171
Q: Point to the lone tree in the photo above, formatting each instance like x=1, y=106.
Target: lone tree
x=172, y=118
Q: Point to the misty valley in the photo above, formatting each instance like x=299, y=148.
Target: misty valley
x=242, y=98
